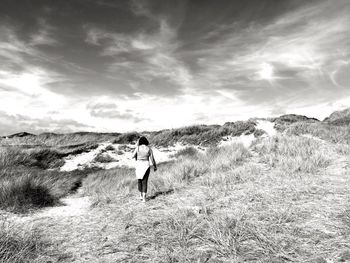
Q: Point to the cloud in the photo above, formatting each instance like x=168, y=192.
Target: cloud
x=296, y=54
x=141, y=8
x=17, y=123
x=115, y=114
x=44, y=35
x=110, y=110
x=143, y=58
x=161, y=64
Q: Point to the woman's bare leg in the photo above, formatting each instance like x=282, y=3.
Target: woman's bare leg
x=143, y=197
x=144, y=185
x=139, y=182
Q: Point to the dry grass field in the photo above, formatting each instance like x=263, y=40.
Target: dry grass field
x=283, y=199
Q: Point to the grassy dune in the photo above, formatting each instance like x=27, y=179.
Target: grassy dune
x=285, y=199
x=324, y=131
x=196, y=134
x=62, y=140
x=249, y=210
x=243, y=205
x=25, y=182
x=25, y=186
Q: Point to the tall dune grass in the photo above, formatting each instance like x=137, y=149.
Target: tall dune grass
x=327, y=132
x=53, y=140
x=20, y=246
x=25, y=183
x=185, y=236
x=24, y=193
x=107, y=185
x=25, y=189
x=41, y=158
x=293, y=154
x=243, y=210
x=201, y=134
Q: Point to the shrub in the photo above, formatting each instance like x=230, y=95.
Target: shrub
x=127, y=138
x=110, y=148
x=103, y=158
x=46, y=158
x=24, y=193
x=259, y=133
x=238, y=128
x=23, y=188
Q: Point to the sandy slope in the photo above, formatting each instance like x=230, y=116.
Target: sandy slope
x=122, y=152
x=247, y=140
x=267, y=126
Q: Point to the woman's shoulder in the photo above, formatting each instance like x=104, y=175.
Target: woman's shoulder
x=145, y=147
x=148, y=148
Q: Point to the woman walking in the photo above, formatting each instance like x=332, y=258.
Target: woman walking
x=143, y=153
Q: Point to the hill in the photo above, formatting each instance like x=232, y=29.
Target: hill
x=203, y=135
x=20, y=135
x=284, y=121
x=281, y=198
x=339, y=118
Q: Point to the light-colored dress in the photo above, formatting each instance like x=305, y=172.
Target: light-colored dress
x=143, y=154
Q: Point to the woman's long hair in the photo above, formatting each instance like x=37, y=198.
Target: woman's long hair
x=143, y=141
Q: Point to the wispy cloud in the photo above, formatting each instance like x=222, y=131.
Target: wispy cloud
x=150, y=65
x=110, y=110
x=301, y=50
x=15, y=123
x=44, y=35
x=144, y=57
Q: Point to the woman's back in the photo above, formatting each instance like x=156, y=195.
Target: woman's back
x=143, y=152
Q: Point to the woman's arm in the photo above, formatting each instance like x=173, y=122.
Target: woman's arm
x=134, y=155
x=153, y=160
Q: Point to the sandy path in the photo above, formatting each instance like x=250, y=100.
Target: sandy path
x=95, y=234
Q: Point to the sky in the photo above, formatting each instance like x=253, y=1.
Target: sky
x=116, y=66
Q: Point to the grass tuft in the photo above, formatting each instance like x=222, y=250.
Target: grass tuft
x=20, y=246
x=25, y=193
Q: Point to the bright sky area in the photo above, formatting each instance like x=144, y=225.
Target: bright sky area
x=103, y=65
